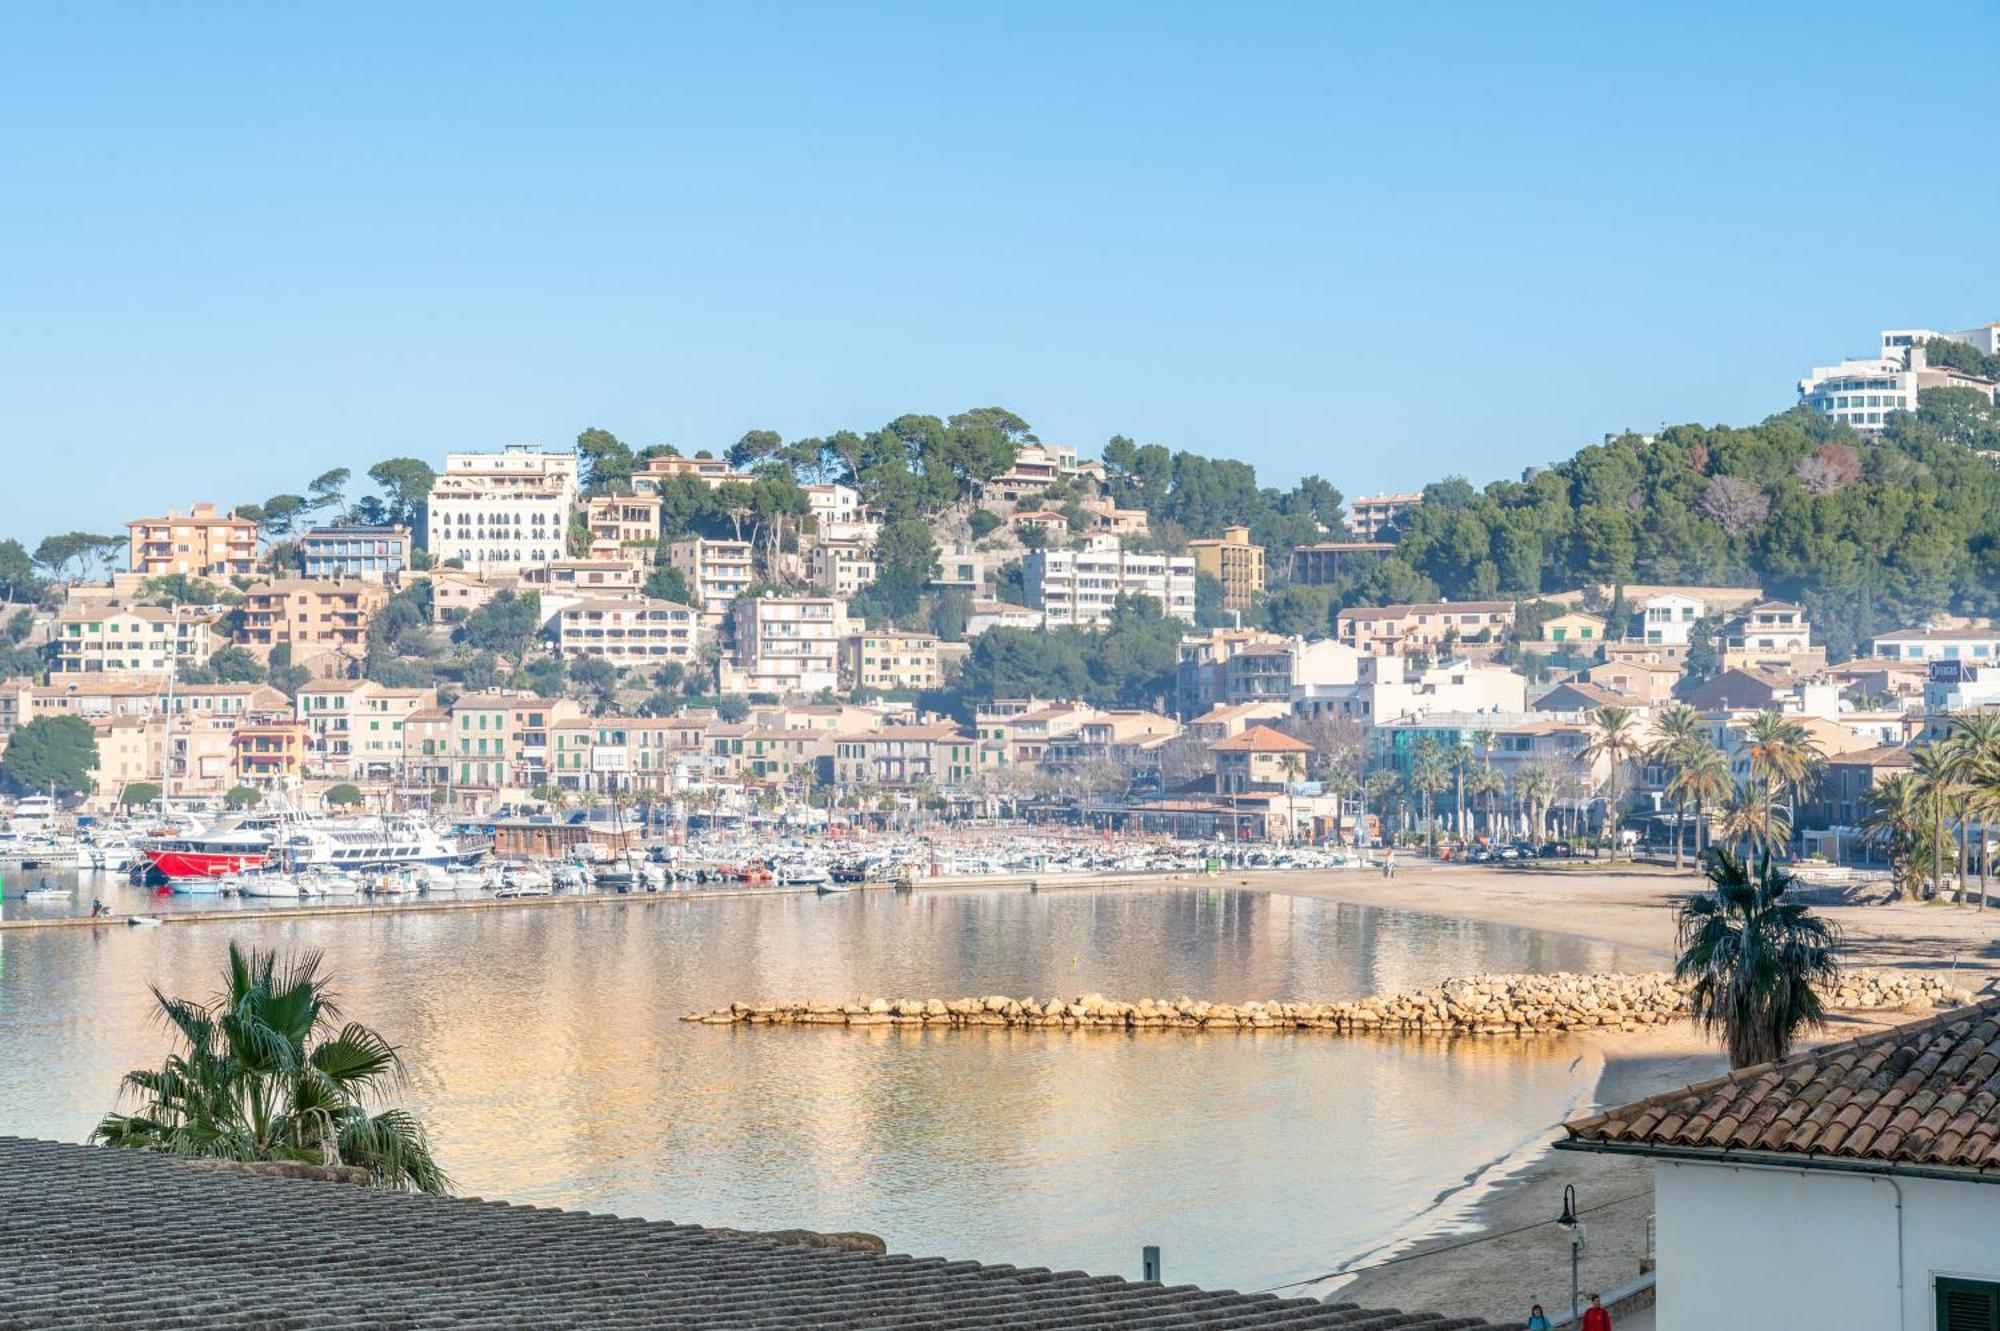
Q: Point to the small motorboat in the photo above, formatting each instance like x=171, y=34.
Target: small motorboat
x=47, y=891
x=143, y=921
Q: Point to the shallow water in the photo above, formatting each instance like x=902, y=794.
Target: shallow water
x=544, y=1051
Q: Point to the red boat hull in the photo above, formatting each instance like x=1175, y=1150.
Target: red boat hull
x=204, y=863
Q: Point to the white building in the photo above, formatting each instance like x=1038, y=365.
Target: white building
x=1853, y=1186
x=640, y=632
x=1968, y=644
x=1079, y=587
x=502, y=511
x=833, y=503
x=717, y=572
x=1370, y=516
x=785, y=645
x=1385, y=689
x=1667, y=620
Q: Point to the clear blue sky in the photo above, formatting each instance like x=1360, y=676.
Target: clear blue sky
x=240, y=246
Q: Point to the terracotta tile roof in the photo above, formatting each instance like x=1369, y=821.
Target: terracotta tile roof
x=1926, y=1094
x=1260, y=739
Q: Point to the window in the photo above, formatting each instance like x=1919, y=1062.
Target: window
x=1967, y=1305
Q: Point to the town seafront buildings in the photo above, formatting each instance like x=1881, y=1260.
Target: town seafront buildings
x=767, y=675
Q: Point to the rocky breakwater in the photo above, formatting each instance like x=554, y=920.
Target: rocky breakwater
x=1476, y=1005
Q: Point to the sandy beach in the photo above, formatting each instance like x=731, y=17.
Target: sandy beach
x=1520, y=1258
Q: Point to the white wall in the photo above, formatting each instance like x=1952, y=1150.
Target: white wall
x=1798, y=1250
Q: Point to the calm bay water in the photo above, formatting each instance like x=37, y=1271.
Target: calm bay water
x=545, y=1053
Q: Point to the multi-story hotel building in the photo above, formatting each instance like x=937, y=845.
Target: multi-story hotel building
x=502, y=510
x=1232, y=560
x=354, y=552
x=1396, y=630
x=785, y=644
x=637, y=632
x=203, y=542
x=711, y=472
x=1079, y=587
x=717, y=572
x=355, y=727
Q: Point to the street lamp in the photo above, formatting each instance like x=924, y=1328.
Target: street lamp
x=1571, y=1224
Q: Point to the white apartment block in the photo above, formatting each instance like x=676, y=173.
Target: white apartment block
x=502, y=511
x=627, y=633
x=785, y=645
x=834, y=503
x=717, y=572
x=841, y=568
x=128, y=640
x=1079, y=587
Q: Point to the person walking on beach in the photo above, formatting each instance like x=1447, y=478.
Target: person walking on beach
x=1537, y=1319
x=1389, y=863
x=1594, y=1317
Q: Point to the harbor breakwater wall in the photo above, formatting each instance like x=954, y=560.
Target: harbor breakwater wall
x=1475, y=1005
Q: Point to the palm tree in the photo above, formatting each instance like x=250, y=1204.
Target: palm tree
x=1486, y=783
x=1430, y=773
x=1462, y=759
x=1755, y=959
x=1783, y=757
x=1678, y=731
x=1934, y=771
x=1614, y=736
x=1894, y=815
x=1975, y=744
x=1341, y=783
x=1536, y=786
x=1749, y=821
x=264, y=1073
x=1294, y=767
x=1701, y=778
x=1376, y=791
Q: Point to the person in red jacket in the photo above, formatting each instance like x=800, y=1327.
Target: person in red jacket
x=1594, y=1317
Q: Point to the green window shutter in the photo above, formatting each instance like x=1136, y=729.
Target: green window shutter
x=1967, y=1305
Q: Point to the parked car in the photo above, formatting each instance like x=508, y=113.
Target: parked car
x=1557, y=850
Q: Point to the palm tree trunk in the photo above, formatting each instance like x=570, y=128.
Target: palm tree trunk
x=1680, y=831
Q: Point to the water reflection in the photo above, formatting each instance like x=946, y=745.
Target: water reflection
x=544, y=1049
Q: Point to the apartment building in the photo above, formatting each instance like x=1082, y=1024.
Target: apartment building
x=623, y=527
x=109, y=638
x=1106, y=516
x=1398, y=630
x=373, y=553
x=717, y=572
x=623, y=755
x=941, y=755
x=1258, y=758
x=841, y=568
x=502, y=510
x=501, y=738
x=1374, y=517
x=628, y=633
x=1666, y=620
x=269, y=755
x=1080, y=587
x=355, y=727
x=204, y=542
x=834, y=506
x=312, y=616
x=889, y=660
x=784, y=645
x=98, y=698
x=1232, y=560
